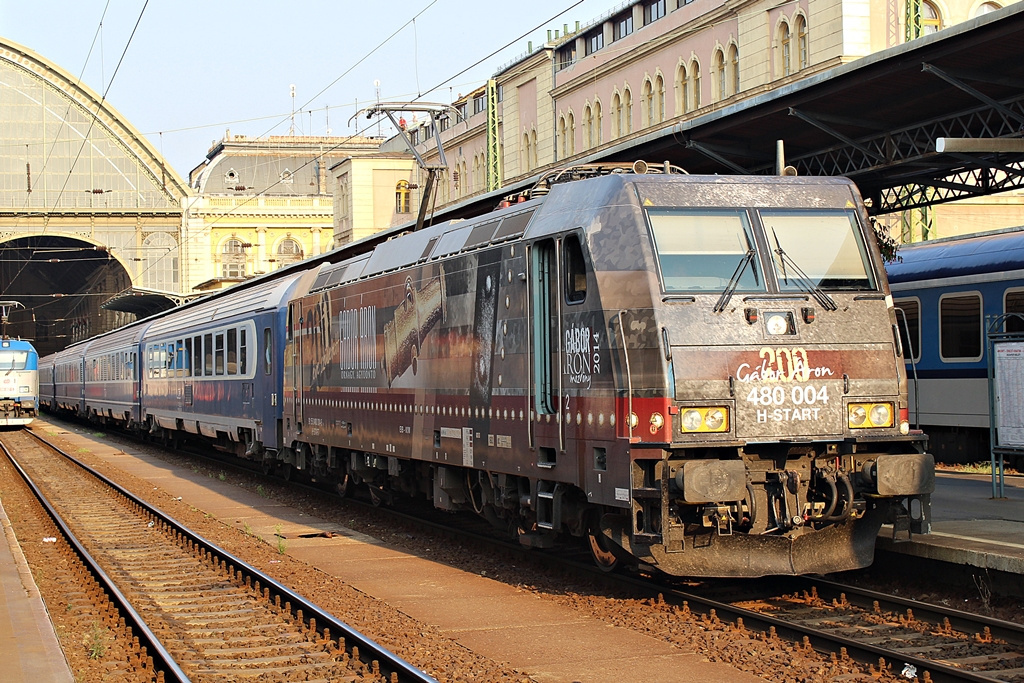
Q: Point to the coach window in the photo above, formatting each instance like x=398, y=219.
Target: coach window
x=242, y=352
x=1013, y=302
x=189, y=358
x=180, y=360
x=208, y=355
x=575, y=270
x=197, y=358
x=910, y=333
x=219, y=357
x=268, y=345
x=232, y=351
x=960, y=327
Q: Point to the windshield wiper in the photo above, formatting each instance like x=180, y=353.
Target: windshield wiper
x=734, y=281
x=806, y=283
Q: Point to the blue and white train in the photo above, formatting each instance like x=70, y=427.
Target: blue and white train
x=950, y=291
x=19, y=382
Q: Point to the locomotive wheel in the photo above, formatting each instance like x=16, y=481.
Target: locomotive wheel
x=285, y=471
x=604, y=557
x=375, y=496
x=344, y=487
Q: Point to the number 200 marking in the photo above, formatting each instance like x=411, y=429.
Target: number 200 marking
x=799, y=395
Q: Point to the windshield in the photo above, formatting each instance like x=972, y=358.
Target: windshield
x=13, y=360
x=825, y=245
x=701, y=249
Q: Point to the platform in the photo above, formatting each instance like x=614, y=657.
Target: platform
x=29, y=648
x=971, y=530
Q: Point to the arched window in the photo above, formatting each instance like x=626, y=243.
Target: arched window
x=570, y=121
x=598, y=137
x=232, y=258
x=931, y=19
x=659, y=97
x=563, y=137
x=800, y=24
x=526, y=152
x=288, y=251
x=784, y=50
x=588, y=127
x=627, y=110
x=616, y=116
x=720, y=80
x=533, y=148
x=695, y=83
x=734, y=66
x=986, y=7
x=402, y=197
x=682, y=90
x=647, y=102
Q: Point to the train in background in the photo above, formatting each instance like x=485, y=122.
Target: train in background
x=699, y=373
x=19, y=382
x=948, y=291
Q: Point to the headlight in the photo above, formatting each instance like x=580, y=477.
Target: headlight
x=868, y=415
x=714, y=419
x=691, y=420
x=857, y=416
x=711, y=419
x=25, y=390
x=777, y=324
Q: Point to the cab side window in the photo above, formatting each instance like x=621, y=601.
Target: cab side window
x=575, y=270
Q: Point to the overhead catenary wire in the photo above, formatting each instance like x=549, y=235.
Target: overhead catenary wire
x=359, y=132
x=85, y=138
x=325, y=152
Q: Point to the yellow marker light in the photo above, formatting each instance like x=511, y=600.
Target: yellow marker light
x=870, y=415
x=710, y=419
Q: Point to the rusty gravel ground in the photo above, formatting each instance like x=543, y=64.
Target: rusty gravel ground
x=421, y=644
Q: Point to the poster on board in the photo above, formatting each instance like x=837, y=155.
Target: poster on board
x=1009, y=393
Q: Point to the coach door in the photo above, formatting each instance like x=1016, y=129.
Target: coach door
x=295, y=347
x=545, y=320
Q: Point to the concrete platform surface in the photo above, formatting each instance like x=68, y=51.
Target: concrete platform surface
x=29, y=648
x=969, y=526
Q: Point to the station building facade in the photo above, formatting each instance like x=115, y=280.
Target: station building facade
x=261, y=203
x=651, y=64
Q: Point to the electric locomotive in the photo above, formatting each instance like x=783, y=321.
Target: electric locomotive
x=700, y=373
x=19, y=382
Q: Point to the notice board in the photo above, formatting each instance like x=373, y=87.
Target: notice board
x=1009, y=393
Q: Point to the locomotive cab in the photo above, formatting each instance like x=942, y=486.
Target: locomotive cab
x=765, y=395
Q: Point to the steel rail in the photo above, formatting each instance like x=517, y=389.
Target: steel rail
x=162, y=659
x=389, y=661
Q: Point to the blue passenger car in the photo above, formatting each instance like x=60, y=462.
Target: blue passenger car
x=112, y=378
x=949, y=291
x=213, y=368
x=19, y=382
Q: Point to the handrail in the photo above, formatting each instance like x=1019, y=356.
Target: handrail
x=629, y=374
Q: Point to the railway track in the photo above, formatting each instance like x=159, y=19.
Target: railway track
x=199, y=613
x=864, y=630
x=907, y=639
x=904, y=637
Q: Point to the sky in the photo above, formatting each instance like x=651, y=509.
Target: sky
x=183, y=72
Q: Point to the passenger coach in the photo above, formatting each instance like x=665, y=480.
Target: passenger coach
x=949, y=292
